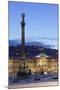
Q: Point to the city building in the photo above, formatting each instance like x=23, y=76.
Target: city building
x=42, y=64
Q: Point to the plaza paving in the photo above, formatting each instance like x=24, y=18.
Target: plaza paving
x=34, y=80
x=39, y=84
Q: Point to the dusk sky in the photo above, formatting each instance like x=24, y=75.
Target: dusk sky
x=41, y=21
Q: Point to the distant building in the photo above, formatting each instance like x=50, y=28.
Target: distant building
x=53, y=65
x=40, y=64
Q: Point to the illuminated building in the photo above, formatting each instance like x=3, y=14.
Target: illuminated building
x=40, y=64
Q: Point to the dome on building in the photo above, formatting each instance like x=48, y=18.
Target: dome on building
x=42, y=55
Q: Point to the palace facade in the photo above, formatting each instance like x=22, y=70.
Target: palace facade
x=40, y=64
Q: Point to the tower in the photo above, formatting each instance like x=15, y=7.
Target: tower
x=23, y=70
x=23, y=35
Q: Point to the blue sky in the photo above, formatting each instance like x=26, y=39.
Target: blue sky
x=41, y=21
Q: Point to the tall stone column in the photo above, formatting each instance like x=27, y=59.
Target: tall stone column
x=23, y=36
